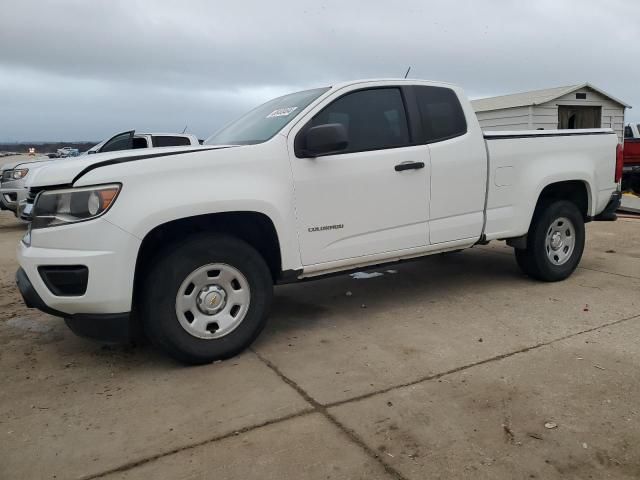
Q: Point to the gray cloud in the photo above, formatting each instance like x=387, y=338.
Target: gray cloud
x=73, y=69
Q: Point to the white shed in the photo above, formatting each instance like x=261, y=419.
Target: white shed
x=574, y=106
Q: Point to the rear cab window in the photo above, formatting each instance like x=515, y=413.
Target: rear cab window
x=628, y=133
x=440, y=112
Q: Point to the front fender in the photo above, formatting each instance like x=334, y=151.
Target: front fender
x=241, y=179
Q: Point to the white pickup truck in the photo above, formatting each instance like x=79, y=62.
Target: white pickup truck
x=311, y=183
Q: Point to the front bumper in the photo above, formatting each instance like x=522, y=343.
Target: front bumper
x=108, y=328
x=108, y=252
x=609, y=212
x=10, y=198
x=12, y=193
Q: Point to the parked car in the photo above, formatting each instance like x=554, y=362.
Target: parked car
x=12, y=182
x=631, y=170
x=309, y=184
x=13, y=193
x=67, y=152
x=130, y=140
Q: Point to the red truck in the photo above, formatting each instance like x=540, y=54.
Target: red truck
x=631, y=168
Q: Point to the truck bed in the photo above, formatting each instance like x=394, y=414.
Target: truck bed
x=522, y=163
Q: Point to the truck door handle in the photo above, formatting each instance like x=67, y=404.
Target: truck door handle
x=409, y=166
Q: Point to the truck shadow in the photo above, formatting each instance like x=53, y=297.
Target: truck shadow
x=417, y=283
x=340, y=301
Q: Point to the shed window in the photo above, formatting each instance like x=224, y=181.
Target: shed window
x=570, y=117
x=581, y=96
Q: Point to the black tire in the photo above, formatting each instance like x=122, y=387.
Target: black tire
x=634, y=183
x=173, y=266
x=625, y=184
x=533, y=260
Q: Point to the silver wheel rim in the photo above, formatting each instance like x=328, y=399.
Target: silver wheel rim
x=560, y=241
x=213, y=301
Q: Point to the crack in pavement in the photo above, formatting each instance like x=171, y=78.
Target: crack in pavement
x=323, y=409
x=610, y=273
x=496, y=358
x=136, y=463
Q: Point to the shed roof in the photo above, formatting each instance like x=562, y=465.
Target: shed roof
x=534, y=97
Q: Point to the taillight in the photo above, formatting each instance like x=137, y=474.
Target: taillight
x=619, y=163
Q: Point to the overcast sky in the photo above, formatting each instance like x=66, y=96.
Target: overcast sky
x=84, y=69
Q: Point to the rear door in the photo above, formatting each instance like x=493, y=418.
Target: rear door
x=458, y=165
x=371, y=198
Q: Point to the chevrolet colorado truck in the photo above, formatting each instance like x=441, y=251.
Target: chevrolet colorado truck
x=189, y=242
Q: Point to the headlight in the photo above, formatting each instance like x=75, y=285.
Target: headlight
x=59, y=207
x=19, y=173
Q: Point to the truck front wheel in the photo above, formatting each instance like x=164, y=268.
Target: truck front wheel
x=555, y=242
x=207, y=298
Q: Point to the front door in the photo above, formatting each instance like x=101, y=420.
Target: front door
x=372, y=197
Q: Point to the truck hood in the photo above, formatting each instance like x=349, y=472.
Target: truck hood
x=24, y=163
x=65, y=172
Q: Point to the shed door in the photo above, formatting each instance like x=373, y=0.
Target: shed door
x=570, y=117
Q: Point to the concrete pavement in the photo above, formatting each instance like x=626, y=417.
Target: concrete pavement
x=446, y=367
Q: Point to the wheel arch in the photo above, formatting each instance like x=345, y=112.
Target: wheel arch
x=255, y=228
x=575, y=191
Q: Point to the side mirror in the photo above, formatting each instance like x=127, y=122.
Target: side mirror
x=325, y=139
x=91, y=152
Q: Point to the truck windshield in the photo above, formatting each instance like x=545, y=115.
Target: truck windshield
x=263, y=122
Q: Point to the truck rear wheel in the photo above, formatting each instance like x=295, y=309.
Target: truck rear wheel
x=206, y=299
x=555, y=242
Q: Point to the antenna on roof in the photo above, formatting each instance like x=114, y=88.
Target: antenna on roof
x=185, y=128
x=408, y=70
